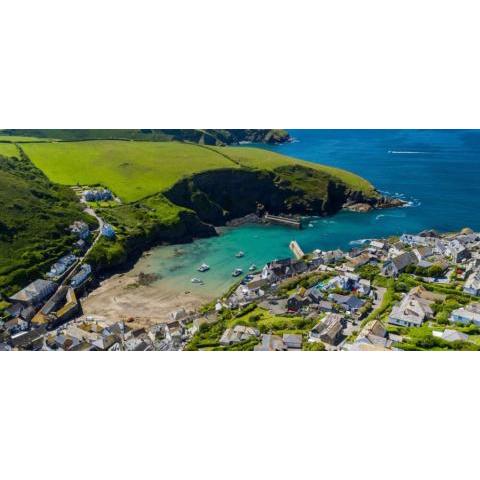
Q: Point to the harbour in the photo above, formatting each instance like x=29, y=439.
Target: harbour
x=438, y=197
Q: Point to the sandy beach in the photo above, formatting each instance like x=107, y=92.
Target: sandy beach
x=120, y=297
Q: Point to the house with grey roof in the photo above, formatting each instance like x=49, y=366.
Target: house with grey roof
x=329, y=329
x=324, y=306
x=80, y=229
x=15, y=325
x=34, y=293
x=414, y=240
x=422, y=253
x=348, y=302
x=457, y=251
x=450, y=335
x=237, y=334
x=293, y=341
x=394, y=266
x=296, y=302
x=79, y=278
x=472, y=284
x=270, y=343
x=373, y=335
x=466, y=315
x=414, y=308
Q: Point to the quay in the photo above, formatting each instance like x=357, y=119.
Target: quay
x=297, y=251
x=285, y=221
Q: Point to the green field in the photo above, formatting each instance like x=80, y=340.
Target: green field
x=260, y=158
x=18, y=138
x=134, y=170
x=8, y=150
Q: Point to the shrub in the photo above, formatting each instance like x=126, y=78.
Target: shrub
x=313, y=346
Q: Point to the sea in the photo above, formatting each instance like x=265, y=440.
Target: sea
x=436, y=171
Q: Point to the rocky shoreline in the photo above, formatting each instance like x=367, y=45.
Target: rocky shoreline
x=382, y=203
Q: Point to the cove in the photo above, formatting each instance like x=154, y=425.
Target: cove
x=436, y=171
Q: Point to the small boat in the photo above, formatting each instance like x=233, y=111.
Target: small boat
x=252, y=268
x=196, y=280
x=237, y=272
x=240, y=254
x=203, y=267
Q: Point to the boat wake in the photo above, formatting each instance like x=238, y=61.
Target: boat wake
x=409, y=202
x=409, y=152
x=383, y=215
x=412, y=203
x=360, y=241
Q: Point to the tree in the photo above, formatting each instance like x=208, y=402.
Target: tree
x=435, y=271
x=314, y=346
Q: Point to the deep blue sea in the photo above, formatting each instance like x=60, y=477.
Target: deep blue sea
x=437, y=171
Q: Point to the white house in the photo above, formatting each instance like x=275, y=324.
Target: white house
x=414, y=308
x=472, y=285
x=466, y=315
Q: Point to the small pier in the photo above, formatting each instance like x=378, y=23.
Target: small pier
x=296, y=250
x=285, y=221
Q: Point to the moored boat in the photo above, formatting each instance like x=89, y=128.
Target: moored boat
x=203, y=267
x=252, y=268
x=240, y=254
x=237, y=272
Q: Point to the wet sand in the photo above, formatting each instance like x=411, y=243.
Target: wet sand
x=120, y=297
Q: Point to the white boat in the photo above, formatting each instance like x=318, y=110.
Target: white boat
x=252, y=268
x=237, y=272
x=203, y=267
x=240, y=254
x=196, y=280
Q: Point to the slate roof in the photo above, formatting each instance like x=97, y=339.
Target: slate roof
x=293, y=340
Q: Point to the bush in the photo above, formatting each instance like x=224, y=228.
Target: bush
x=249, y=308
x=368, y=271
x=313, y=347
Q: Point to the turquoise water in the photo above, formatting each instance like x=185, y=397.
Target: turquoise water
x=436, y=171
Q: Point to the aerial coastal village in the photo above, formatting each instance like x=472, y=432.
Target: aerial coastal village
x=413, y=292
x=82, y=207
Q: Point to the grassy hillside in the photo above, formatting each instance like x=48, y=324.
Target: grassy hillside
x=8, y=149
x=21, y=138
x=33, y=219
x=259, y=158
x=171, y=192
x=134, y=170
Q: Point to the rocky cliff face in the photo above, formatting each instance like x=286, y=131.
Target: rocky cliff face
x=222, y=195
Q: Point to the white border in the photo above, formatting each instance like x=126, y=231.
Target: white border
x=253, y=64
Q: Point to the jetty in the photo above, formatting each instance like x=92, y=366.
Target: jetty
x=285, y=221
x=297, y=251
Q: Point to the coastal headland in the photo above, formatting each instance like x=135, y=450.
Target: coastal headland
x=170, y=190
x=173, y=192
x=77, y=271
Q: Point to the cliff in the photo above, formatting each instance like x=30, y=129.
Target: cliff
x=222, y=195
x=194, y=205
